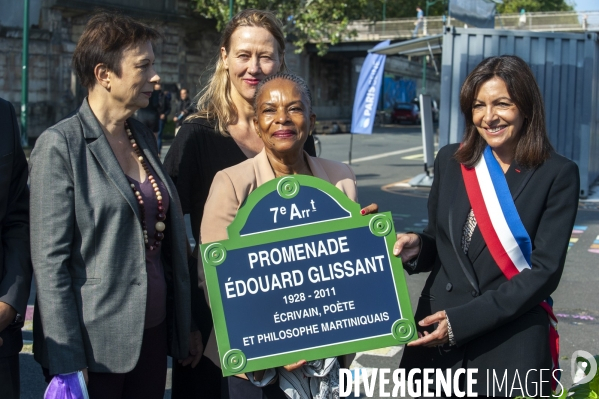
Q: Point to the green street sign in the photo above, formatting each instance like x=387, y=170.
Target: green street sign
x=304, y=276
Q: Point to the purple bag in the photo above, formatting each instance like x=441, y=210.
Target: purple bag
x=67, y=386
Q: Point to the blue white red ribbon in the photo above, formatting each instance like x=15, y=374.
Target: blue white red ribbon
x=503, y=230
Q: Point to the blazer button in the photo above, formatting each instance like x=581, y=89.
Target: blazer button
x=474, y=293
x=448, y=287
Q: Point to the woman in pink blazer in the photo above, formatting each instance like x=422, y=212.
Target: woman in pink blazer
x=283, y=120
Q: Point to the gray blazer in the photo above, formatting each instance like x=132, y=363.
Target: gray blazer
x=88, y=252
x=15, y=262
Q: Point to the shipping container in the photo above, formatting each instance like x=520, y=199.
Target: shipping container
x=566, y=67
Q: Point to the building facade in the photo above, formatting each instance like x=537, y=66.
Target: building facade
x=183, y=57
x=56, y=25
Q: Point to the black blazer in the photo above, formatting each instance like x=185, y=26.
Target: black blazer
x=498, y=324
x=15, y=260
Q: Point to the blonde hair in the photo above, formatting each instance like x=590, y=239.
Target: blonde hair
x=215, y=101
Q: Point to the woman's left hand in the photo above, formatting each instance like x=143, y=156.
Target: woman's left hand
x=438, y=337
x=294, y=366
x=372, y=208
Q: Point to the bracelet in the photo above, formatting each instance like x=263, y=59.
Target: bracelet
x=450, y=332
x=18, y=319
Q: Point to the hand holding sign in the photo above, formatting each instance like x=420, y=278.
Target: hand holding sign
x=294, y=280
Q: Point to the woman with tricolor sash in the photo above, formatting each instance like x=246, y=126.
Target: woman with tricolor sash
x=501, y=211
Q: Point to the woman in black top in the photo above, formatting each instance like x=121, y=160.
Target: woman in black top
x=501, y=211
x=221, y=134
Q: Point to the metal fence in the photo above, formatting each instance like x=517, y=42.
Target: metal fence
x=561, y=21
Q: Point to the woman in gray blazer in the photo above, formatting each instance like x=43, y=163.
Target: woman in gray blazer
x=108, y=239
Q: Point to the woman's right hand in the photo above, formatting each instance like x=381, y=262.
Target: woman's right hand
x=407, y=246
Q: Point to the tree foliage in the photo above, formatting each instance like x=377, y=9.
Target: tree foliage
x=514, y=6
x=323, y=22
x=402, y=9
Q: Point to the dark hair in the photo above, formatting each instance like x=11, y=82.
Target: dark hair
x=533, y=146
x=299, y=82
x=106, y=36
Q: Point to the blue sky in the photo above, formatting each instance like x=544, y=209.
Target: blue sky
x=586, y=5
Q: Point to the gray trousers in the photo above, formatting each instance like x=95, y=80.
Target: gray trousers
x=10, y=387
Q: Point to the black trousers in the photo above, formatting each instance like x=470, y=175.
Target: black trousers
x=243, y=389
x=10, y=387
x=205, y=381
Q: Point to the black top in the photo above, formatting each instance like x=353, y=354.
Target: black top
x=497, y=323
x=156, y=295
x=15, y=259
x=186, y=108
x=196, y=155
x=164, y=102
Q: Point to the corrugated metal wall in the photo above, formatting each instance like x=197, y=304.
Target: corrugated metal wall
x=566, y=67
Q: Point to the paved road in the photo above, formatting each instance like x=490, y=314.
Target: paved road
x=391, y=156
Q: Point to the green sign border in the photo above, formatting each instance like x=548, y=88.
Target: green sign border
x=233, y=360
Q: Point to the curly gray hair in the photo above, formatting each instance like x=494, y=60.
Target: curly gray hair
x=299, y=82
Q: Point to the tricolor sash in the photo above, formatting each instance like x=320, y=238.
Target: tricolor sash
x=503, y=231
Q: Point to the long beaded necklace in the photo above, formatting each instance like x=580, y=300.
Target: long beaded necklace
x=160, y=226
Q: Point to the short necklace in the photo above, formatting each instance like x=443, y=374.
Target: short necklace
x=160, y=226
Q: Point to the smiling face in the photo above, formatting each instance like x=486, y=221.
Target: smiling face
x=253, y=55
x=138, y=77
x=283, y=117
x=496, y=117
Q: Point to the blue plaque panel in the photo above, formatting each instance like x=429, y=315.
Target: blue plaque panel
x=304, y=275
